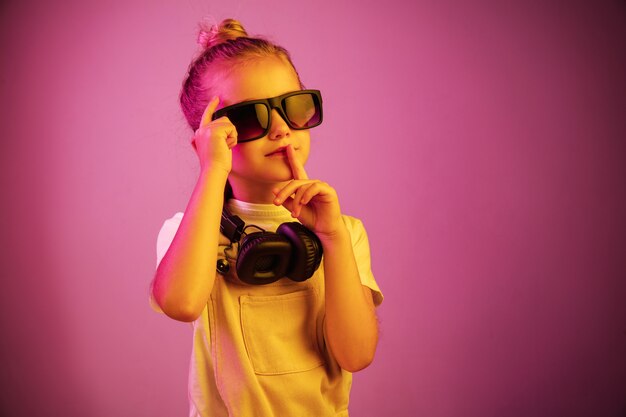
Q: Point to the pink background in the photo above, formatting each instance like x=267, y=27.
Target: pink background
x=482, y=143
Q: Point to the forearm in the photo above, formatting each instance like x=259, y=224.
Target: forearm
x=185, y=275
x=351, y=324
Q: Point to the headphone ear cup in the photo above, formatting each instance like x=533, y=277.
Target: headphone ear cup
x=263, y=258
x=307, y=250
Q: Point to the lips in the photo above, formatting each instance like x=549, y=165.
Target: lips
x=280, y=151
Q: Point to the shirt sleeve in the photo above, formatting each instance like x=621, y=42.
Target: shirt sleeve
x=166, y=235
x=361, y=248
x=164, y=240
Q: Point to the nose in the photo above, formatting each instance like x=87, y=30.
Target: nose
x=278, y=128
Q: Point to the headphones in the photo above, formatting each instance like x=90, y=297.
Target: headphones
x=265, y=257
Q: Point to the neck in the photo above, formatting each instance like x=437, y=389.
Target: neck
x=257, y=192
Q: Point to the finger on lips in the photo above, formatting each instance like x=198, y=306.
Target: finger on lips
x=297, y=169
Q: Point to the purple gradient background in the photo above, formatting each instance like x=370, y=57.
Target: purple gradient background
x=482, y=144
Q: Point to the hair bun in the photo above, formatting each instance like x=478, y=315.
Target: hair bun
x=211, y=35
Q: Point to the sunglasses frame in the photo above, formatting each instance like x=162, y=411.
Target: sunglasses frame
x=274, y=103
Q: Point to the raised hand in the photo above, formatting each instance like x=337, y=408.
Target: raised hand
x=313, y=202
x=214, y=139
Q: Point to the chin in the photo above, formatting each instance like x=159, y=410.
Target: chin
x=279, y=175
x=281, y=178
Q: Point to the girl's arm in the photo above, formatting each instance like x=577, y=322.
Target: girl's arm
x=351, y=326
x=184, y=278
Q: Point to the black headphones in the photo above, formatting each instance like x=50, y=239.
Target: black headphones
x=265, y=257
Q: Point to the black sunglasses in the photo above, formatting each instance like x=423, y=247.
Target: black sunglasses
x=300, y=109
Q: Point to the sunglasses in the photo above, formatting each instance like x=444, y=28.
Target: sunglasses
x=299, y=109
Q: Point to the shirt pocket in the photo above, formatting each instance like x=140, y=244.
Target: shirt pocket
x=280, y=332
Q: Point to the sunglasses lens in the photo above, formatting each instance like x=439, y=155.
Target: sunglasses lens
x=303, y=110
x=251, y=121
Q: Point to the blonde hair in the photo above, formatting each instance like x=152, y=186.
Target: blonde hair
x=228, y=29
x=228, y=42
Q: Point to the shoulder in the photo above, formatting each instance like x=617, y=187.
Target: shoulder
x=170, y=225
x=175, y=219
x=362, y=256
x=351, y=220
x=166, y=234
x=354, y=225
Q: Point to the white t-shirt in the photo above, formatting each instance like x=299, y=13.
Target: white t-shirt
x=260, y=350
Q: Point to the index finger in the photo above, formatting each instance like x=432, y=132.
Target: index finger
x=297, y=169
x=208, y=112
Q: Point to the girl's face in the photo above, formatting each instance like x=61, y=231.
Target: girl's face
x=258, y=165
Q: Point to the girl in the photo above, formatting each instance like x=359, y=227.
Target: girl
x=286, y=348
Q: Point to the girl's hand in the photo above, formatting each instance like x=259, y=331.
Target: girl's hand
x=214, y=140
x=313, y=202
